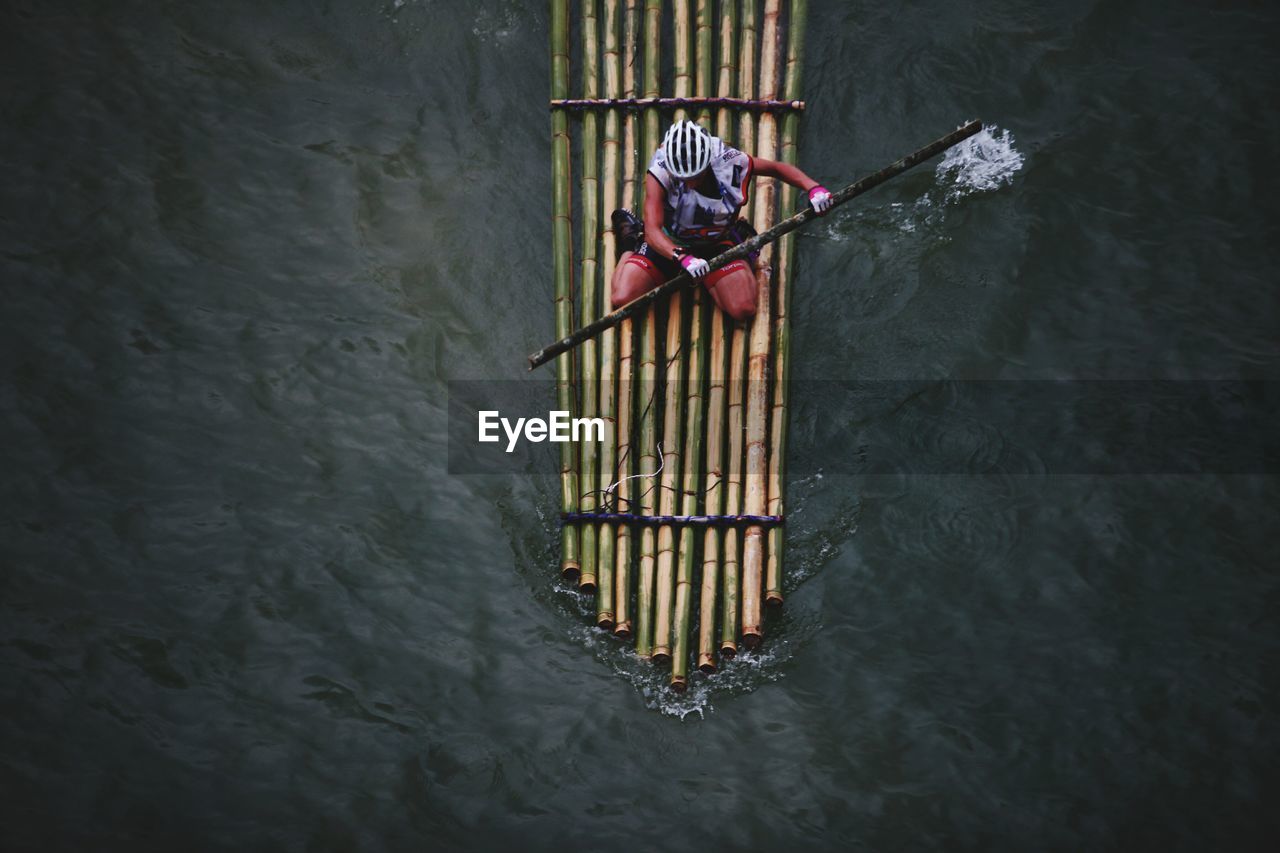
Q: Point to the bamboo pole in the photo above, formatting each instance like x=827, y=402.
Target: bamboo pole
x=562, y=255
x=738, y=369
x=647, y=392
x=626, y=334
x=758, y=363
x=672, y=423
x=606, y=594
x=589, y=358
x=782, y=325
x=652, y=44
x=717, y=398
x=704, y=52
x=694, y=402
x=693, y=435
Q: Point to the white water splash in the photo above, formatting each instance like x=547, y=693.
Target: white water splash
x=743, y=674
x=984, y=162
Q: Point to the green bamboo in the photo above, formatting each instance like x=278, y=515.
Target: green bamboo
x=562, y=257
x=674, y=357
x=589, y=358
x=606, y=594
x=704, y=51
x=738, y=364
x=694, y=410
x=781, y=324
x=648, y=388
x=757, y=461
x=626, y=339
x=652, y=43
x=648, y=449
x=671, y=425
x=717, y=398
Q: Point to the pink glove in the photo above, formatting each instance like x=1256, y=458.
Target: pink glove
x=820, y=200
x=694, y=266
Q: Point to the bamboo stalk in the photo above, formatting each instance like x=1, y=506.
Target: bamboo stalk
x=648, y=364
x=589, y=358
x=606, y=594
x=693, y=434
x=694, y=401
x=782, y=325
x=758, y=364
x=717, y=397
x=626, y=333
x=704, y=53
x=674, y=355
x=738, y=368
x=652, y=43
x=562, y=255
x=648, y=469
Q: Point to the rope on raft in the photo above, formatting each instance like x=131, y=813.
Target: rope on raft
x=690, y=520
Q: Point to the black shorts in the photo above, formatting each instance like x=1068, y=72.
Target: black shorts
x=732, y=236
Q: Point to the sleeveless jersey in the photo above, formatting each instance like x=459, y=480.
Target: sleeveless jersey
x=690, y=216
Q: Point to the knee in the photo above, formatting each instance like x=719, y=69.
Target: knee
x=742, y=311
x=635, y=274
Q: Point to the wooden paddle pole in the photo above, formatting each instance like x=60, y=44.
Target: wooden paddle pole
x=753, y=244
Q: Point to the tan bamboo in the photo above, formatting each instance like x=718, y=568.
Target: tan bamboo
x=694, y=403
x=738, y=367
x=562, y=258
x=704, y=50
x=606, y=594
x=717, y=399
x=626, y=339
x=647, y=392
x=758, y=360
x=781, y=324
x=589, y=358
x=674, y=356
x=652, y=43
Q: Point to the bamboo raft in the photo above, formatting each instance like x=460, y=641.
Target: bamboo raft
x=674, y=522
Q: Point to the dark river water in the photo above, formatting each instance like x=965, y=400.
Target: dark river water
x=244, y=604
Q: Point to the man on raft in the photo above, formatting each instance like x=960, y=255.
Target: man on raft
x=695, y=187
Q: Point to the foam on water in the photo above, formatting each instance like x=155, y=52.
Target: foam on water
x=743, y=674
x=984, y=162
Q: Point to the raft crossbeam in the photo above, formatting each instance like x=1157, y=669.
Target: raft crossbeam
x=754, y=104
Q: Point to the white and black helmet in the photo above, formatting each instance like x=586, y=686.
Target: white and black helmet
x=687, y=148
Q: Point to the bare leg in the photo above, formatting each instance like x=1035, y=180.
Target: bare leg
x=631, y=278
x=733, y=287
